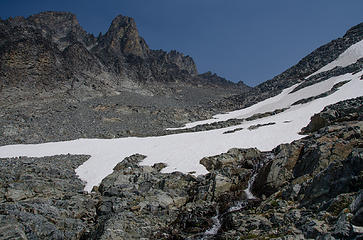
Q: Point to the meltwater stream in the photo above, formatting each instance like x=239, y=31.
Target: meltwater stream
x=240, y=204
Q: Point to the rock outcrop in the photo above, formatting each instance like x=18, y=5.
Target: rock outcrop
x=42, y=198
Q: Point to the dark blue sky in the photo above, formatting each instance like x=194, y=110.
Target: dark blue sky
x=249, y=40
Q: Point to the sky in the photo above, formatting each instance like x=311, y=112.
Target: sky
x=247, y=40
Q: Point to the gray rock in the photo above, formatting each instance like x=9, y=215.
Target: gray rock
x=343, y=228
x=339, y=177
x=44, y=199
x=358, y=217
x=10, y=228
x=314, y=229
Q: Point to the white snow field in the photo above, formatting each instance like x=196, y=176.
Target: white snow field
x=349, y=56
x=182, y=152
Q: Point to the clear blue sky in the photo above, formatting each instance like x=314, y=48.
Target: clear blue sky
x=249, y=40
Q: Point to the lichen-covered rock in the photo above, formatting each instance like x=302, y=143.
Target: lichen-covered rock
x=340, y=177
x=43, y=199
x=348, y=110
x=308, y=157
x=10, y=228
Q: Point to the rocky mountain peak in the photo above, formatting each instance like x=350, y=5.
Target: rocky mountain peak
x=123, y=38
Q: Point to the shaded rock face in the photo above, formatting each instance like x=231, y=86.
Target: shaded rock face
x=232, y=170
x=29, y=60
x=79, y=57
x=62, y=27
x=339, y=177
x=357, y=209
x=278, y=172
x=332, y=145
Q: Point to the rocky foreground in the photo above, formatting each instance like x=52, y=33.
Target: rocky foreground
x=309, y=189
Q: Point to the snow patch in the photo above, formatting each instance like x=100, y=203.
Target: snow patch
x=283, y=100
x=348, y=57
x=182, y=152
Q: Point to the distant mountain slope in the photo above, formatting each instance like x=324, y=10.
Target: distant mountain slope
x=315, y=60
x=302, y=70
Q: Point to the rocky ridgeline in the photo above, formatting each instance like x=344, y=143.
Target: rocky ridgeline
x=51, y=50
x=309, y=189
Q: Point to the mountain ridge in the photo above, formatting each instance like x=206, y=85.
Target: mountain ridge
x=120, y=54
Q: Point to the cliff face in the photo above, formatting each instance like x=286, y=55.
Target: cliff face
x=51, y=50
x=28, y=56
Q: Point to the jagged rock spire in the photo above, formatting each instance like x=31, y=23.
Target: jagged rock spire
x=123, y=37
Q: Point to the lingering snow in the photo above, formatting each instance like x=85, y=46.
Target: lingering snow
x=182, y=152
x=283, y=100
x=349, y=56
